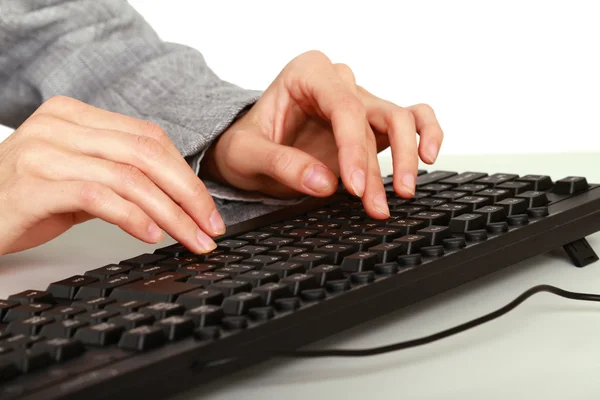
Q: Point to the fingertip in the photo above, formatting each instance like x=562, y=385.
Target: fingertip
x=429, y=153
x=380, y=204
x=358, y=182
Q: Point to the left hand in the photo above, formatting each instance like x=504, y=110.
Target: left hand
x=313, y=124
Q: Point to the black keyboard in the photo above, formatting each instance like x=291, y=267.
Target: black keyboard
x=160, y=323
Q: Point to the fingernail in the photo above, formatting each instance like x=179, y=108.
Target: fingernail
x=316, y=179
x=380, y=203
x=155, y=232
x=432, y=150
x=206, y=243
x=408, y=183
x=216, y=222
x=358, y=182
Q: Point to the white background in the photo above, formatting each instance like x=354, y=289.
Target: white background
x=503, y=77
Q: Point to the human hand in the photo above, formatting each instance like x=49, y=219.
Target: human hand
x=313, y=124
x=70, y=162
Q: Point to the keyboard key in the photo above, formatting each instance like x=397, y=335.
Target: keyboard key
x=411, y=243
x=387, y=268
x=407, y=211
x=174, y=250
x=108, y=271
x=67, y=288
x=309, y=260
x=361, y=242
x=102, y=334
x=105, y=288
x=451, y=210
x=199, y=297
x=432, y=217
x=449, y=196
x=63, y=329
x=570, y=185
x=142, y=338
x=470, y=188
x=453, y=243
x=150, y=271
x=176, y=327
x=476, y=235
x=133, y=320
x=6, y=305
x=25, y=311
x=386, y=251
x=517, y=220
x=538, y=182
x=326, y=272
x=143, y=260
x=251, y=250
x=125, y=307
x=338, y=286
x=534, y=198
x=494, y=194
x=283, y=269
x=338, y=234
x=300, y=282
x=434, y=176
x=162, y=310
x=336, y=252
x=435, y=188
x=179, y=262
x=21, y=341
x=429, y=202
x=408, y=226
x=513, y=206
x=262, y=260
x=360, y=261
x=515, y=187
x=497, y=227
x=196, y=269
x=152, y=290
x=236, y=269
x=30, y=326
x=28, y=360
x=208, y=278
x=94, y=303
x=60, y=349
x=257, y=278
x=474, y=202
x=432, y=251
x=385, y=233
x=32, y=296
x=434, y=234
x=223, y=260
x=272, y=291
x=275, y=243
x=492, y=213
x=301, y=234
x=287, y=252
x=205, y=315
x=97, y=316
x=463, y=178
x=363, y=277
x=240, y=303
x=230, y=244
x=313, y=294
x=289, y=304
x=538, y=212
x=467, y=222
x=230, y=287
x=496, y=179
x=62, y=312
x=261, y=313
x=234, y=322
x=254, y=237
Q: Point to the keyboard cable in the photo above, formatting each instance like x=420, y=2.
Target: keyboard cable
x=440, y=335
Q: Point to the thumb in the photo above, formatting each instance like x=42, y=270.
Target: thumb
x=290, y=166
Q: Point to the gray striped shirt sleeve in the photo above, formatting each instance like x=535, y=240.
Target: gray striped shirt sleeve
x=104, y=53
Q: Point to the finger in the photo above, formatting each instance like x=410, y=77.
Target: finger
x=132, y=185
x=290, y=166
x=430, y=131
x=339, y=104
x=400, y=126
x=375, y=199
x=97, y=200
x=83, y=114
x=175, y=179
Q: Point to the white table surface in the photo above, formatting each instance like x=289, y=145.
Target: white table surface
x=548, y=347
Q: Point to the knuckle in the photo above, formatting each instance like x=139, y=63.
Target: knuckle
x=425, y=108
x=91, y=194
x=152, y=130
x=350, y=104
x=149, y=147
x=130, y=175
x=28, y=156
x=58, y=101
x=315, y=56
x=345, y=72
x=400, y=115
x=178, y=217
x=198, y=190
x=37, y=124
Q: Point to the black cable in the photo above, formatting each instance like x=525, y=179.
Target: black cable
x=440, y=335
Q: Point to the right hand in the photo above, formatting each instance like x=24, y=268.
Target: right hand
x=71, y=162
